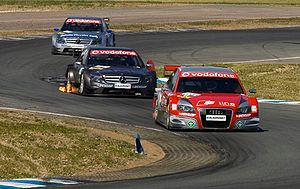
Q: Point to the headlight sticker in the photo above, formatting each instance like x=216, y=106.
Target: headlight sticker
x=187, y=114
x=254, y=108
x=174, y=106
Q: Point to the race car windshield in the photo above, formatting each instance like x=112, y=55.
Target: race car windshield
x=69, y=26
x=209, y=85
x=114, y=60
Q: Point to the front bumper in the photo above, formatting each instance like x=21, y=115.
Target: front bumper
x=68, y=49
x=110, y=89
x=181, y=122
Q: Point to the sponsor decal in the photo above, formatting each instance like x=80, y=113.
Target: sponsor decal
x=191, y=123
x=122, y=86
x=117, y=52
x=79, y=35
x=205, y=102
x=174, y=106
x=215, y=117
x=186, y=114
x=207, y=74
x=254, y=108
x=188, y=95
x=105, y=85
x=85, y=21
x=243, y=115
x=99, y=67
x=139, y=86
x=239, y=124
x=227, y=104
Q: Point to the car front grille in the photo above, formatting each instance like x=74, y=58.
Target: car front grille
x=116, y=79
x=215, y=124
x=76, y=41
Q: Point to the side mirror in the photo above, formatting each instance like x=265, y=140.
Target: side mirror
x=109, y=31
x=56, y=29
x=150, y=65
x=253, y=91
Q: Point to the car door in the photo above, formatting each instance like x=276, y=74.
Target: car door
x=167, y=90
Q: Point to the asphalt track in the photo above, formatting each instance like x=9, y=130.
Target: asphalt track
x=268, y=159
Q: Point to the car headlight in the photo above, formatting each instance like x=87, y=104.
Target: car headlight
x=97, y=78
x=60, y=40
x=244, y=108
x=148, y=79
x=184, y=105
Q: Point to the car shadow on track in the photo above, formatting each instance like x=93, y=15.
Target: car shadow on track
x=258, y=130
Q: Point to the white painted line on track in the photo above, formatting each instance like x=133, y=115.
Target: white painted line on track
x=34, y=183
x=64, y=182
x=262, y=60
x=59, y=114
x=20, y=185
x=80, y=117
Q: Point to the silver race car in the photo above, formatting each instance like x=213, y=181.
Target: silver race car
x=79, y=32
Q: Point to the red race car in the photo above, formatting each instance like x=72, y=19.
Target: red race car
x=202, y=97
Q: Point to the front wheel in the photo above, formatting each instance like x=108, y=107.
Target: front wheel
x=82, y=87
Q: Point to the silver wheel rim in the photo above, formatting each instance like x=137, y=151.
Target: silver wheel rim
x=155, y=114
x=68, y=78
x=81, y=85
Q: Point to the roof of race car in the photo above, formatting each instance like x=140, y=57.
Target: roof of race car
x=206, y=69
x=85, y=17
x=108, y=48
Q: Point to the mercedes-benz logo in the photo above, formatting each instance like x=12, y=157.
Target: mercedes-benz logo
x=122, y=79
x=78, y=41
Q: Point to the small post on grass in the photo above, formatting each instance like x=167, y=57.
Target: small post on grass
x=138, y=145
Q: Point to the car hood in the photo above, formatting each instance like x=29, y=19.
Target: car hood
x=82, y=35
x=113, y=70
x=216, y=100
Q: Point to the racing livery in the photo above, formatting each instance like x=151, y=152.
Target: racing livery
x=79, y=32
x=205, y=98
x=112, y=71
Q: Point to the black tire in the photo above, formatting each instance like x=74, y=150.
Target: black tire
x=168, y=123
x=155, y=113
x=114, y=40
x=53, y=51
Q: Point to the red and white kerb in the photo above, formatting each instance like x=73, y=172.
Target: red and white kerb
x=85, y=21
x=207, y=74
x=116, y=52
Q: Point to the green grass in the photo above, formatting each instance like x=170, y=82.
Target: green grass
x=70, y=4
x=275, y=81
x=31, y=146
x=213, y=25
x=210, y=25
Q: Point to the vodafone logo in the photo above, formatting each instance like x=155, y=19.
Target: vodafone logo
x=120, y=52
x=83, y=21
x=207, y=74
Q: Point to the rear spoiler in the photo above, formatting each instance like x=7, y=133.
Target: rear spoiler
x=170, y=68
